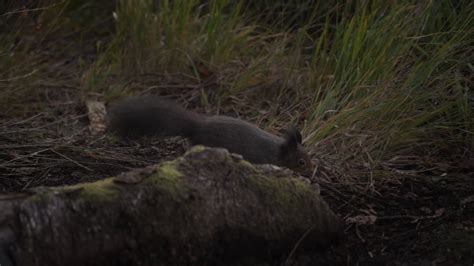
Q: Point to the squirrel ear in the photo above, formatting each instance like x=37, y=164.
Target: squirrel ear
x=292, y=131
x=298, y=135
x=292, y=138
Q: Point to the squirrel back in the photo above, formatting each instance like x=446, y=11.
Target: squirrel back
x=148, y=115
x=151, y=116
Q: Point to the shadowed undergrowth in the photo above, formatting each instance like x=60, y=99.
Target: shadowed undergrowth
x=369, y=82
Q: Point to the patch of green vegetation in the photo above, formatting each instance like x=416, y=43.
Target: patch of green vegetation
x=167, y=179
x=98, y=191
x=42, y=195
x=102, y=190
x=196, y=149
x=247, y=164
x=172, y=36
x=282, y=193
x=169, y=169
x=277, y=189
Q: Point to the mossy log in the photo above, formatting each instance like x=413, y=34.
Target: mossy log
x=206, y=208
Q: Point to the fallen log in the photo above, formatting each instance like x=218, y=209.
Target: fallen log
x=206, y=208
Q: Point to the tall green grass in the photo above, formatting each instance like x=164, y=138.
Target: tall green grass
x=397, y=78
x=169, y=36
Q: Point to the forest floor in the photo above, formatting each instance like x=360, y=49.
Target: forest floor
x=391, y=219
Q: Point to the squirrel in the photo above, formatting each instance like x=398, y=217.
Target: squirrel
x=154, y=116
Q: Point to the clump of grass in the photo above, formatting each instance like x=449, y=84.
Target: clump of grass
x=393, y=82
x=172, y=36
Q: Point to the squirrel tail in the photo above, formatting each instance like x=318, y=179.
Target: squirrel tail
x=148, y=115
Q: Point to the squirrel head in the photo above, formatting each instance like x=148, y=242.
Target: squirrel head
x=292, y=153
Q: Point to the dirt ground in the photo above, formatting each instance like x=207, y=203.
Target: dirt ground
x=391, y=219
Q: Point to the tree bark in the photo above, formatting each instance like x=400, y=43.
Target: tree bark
x=206, y=208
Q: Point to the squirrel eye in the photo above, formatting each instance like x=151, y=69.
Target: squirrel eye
x=301, y=162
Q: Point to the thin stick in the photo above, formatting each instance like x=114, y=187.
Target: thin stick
x=71, y=160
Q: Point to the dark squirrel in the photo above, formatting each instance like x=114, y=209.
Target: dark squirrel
x=151, y=115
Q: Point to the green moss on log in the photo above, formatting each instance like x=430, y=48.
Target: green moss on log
x=167, y=179
x=281, y=190
x=102, y=190
x=196, y=149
